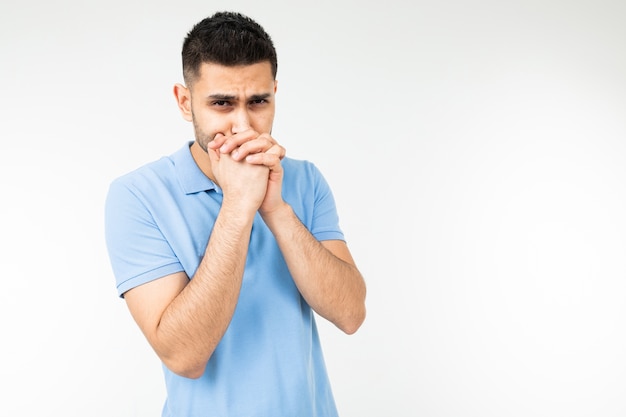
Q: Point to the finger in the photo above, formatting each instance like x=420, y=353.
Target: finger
x=269, y=160
x=277, y=150
x=235, y=141
x=214, y=156
x=217, y=141
x=261, y=144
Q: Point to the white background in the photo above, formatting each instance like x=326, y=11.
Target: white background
x=476, y=150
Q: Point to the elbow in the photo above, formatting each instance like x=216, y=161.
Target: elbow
x=190, y=372
x=185, y=360
x=185, y=368
x=355, y=318
x=355, y=321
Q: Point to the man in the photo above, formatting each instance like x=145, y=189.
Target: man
x=224, y=249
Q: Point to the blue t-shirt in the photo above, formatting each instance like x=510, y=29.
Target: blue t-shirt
x=269, y=363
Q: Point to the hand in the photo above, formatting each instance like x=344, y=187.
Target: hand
x=243, y=184
x=270, y=159
x=256, y=149
x=245, y=143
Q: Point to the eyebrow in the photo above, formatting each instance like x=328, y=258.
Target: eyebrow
x=228, y=97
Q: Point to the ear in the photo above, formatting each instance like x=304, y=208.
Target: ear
x=183, y=99
x=275, y=86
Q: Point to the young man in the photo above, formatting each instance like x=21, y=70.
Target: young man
x=224, y=249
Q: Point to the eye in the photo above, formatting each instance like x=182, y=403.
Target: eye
x=220, y=103
x=258, y=102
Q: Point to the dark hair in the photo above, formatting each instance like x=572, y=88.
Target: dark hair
x=226, y=38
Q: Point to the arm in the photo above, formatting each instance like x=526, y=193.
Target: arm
x=324, y=272
x=184, y=319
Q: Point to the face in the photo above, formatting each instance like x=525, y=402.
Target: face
x=229, y=100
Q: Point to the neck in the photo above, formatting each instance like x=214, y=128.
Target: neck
x=202, y=160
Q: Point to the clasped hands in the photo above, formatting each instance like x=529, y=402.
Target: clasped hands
x=247, y=167
x=256, y=148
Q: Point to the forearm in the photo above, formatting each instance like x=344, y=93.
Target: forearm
x=195, y=321
x=332, y=286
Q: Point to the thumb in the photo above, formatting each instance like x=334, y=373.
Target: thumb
x=214, y=156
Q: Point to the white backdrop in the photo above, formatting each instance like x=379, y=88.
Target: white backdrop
x=476, y=151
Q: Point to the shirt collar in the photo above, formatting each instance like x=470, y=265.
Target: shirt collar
x=190, y=177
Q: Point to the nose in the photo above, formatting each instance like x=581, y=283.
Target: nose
x=241, y=121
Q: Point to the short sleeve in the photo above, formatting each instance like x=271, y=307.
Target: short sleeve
x=325, y=222
x=137, y=249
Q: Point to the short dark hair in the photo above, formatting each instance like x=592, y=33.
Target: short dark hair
x=226, y=38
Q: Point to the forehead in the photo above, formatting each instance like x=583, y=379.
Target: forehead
x=235, y=80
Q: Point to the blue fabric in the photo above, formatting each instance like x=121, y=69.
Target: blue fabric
x=158, y=220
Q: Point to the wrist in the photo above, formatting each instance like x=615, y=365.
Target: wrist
x=238, y=210
x=276, y=214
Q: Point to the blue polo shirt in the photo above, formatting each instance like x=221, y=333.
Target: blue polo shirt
x=269, y=363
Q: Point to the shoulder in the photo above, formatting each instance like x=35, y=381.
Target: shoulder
x=152, y=181
x=300, y=168
x=303, y=180
x=148, y=175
